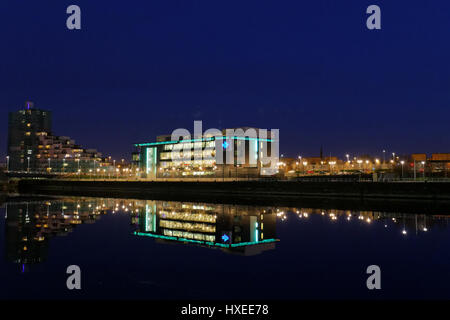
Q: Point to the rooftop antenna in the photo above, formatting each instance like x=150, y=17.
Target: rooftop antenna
x=29, y=105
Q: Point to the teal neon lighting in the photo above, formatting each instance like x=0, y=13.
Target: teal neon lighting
x=172, y=142
x=199, y=140
x=253, y=243
x=209, y=243
x=154, y=161
x=217, y=244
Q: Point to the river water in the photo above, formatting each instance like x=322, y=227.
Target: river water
x=150, y=249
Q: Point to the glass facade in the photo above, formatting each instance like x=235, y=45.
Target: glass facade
x=209, y=157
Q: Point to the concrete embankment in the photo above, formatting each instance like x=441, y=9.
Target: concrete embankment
x=7, y=185
x=258, y=192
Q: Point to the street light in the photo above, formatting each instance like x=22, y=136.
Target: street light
x=359, y=161
x=28, y=169
x=402, y=162
x=331, y=163
x=7, y=163
x=49, y=167
x=348, y=158
x=423, y=164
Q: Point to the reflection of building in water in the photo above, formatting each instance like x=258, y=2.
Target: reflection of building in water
x=244, y=230
x=30, y=225
x=235, y=229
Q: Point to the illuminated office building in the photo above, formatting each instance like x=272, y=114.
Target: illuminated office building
x=241, y=156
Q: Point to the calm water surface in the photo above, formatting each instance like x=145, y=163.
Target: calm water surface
x=145, y=249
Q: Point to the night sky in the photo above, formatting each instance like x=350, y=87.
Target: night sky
x=312, y=69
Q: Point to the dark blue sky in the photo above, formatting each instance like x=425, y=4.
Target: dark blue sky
x=312, y=69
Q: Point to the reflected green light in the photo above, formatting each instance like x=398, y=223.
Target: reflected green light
x=209, y=243
x=253, y=242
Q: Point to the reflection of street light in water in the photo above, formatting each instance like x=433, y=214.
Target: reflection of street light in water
x=404, y=226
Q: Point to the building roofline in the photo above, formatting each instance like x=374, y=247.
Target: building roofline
x=147, y=144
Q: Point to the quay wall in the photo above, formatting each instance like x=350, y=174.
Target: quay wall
x=418, y=198
x=241, y=189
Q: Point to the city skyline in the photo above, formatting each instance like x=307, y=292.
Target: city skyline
x=381, y=154
x=117, y=82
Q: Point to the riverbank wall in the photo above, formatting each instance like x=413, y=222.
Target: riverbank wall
x=240, y=189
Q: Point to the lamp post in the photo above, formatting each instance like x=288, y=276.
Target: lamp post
x=423, y=164
x=49, y=167
x=359, y=161
x=402, y=163
x=28, y=168
x=332, y=163
x=384, y=156
x=7, y=163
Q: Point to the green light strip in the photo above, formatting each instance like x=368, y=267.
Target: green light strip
x=209, y=243
x=254, y=242
x=178, y=239
x=172, y=142
x=199, y=140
